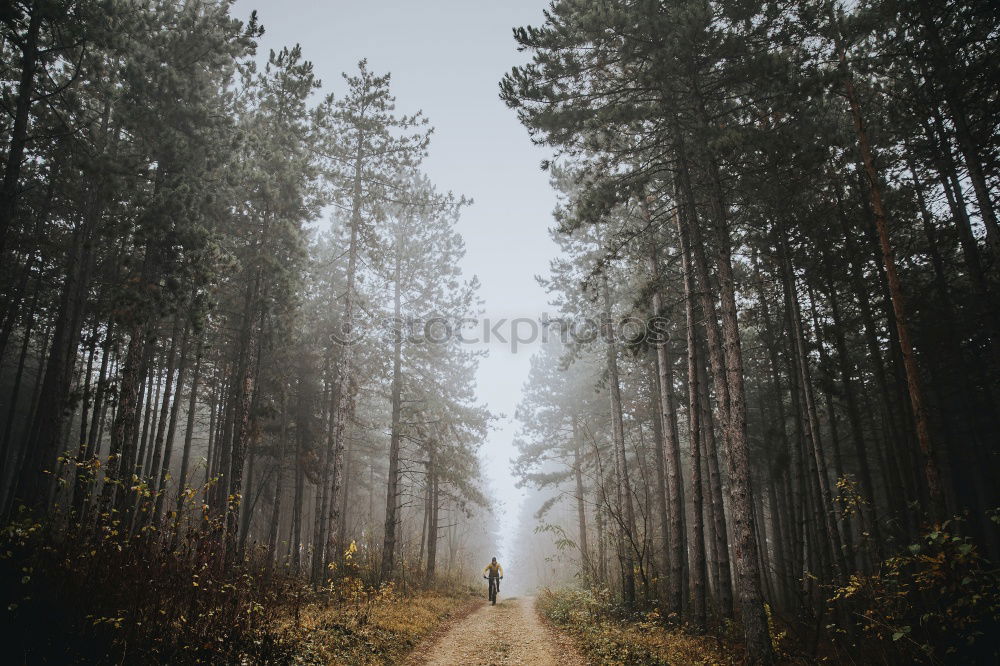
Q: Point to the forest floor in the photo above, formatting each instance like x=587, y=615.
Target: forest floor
x=604, y=636
x=509, y=633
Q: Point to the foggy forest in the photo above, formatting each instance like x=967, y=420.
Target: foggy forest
x=276, y=383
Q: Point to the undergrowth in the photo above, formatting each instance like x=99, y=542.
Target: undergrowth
x=608, y=638
x=936, y=602
x=125, y=599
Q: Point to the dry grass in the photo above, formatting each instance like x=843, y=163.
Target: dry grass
x=379, y=629
x=639, y=642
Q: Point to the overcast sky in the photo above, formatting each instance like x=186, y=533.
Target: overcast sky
x=446, y=58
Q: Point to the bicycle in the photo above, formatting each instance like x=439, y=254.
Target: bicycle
x=494, y=588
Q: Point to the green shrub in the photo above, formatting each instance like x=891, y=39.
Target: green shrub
x=938, y=601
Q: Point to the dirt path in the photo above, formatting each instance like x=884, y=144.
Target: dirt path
x=508, y=633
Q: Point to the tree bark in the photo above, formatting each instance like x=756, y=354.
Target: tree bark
x=932, y=475
x=759, y=649
x=165, y=401
x=245, y=384
x=432, y=523
x=717, y=361
x=667, y=453
x=626, y=508
x=17, y=463
x=297, y=508
x=868, y=508
x=272, y=538
x=134, y=368
x=343, y=391
x=168, y=449
x=323, y=488
x=581, y=509
x=5, y=449
x=144, y=455
x=392, y=484
x=697, y=548
x=192, y=409
x=825, y=497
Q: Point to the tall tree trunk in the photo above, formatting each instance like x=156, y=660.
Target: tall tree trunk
x=272, y=537
x=825, y=497
x=17, y=464
x=626, y=509
x=243, y=420
x=79, y=477
x=818, y=561
x=5, y=449
x=192, y=409
x=759, y=649
x=740, y=487
x=85, y=481
x=659, y=508
x=144, y=456
x=717, y=544
x=164, y=402
x=699, y=262
x=891, y=474
x=788, y=469
x=297, y=508
x=343, y=391
x=392, y=483
x=339, y=517
x=780, y=543
x=133, y=376
x=425, y=518
x=716, y=504
x=14, y=300
x=668, y=450
x=713, y=335
x=932, y=475
x=323, y=488
x=230, y=398
x=963, y=133
x=49, y=427
x=213, y=417
x=602, y=550
x=254, y=487
x=868, y=508
x=581, y=507
x=696, y=570
x=19, y=130
x=432, y=523
x=948, y=177
x=846, y=520
x=168, y=447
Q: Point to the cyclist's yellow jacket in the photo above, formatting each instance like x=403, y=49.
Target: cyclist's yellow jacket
x=493, y=570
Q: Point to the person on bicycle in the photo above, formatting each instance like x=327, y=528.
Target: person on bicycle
x=495, y=571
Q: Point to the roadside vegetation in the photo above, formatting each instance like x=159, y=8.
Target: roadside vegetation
x=608, y=636
x=936, y=602
x=126, y=601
